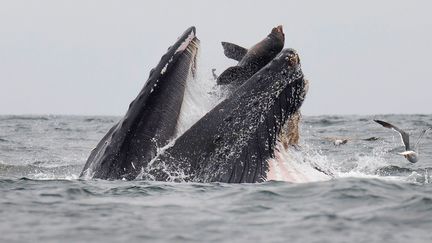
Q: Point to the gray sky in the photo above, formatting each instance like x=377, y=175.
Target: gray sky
x=93, y=57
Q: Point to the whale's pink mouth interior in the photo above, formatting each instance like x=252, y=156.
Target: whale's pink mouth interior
x=281, y=171
x=292, y=166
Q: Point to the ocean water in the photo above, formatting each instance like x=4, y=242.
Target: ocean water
x=372, y=194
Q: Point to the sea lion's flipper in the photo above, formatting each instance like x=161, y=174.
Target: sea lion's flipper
x=234, y=51
x=231, y=74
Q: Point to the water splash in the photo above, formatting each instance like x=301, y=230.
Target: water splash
x=311, y=164
x=201, y=95
x=298, y=166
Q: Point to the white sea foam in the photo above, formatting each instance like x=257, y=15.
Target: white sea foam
x=310, y=165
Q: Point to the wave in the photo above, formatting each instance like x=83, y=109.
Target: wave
x=37, y=171
x=100, y=120
x=26, y=117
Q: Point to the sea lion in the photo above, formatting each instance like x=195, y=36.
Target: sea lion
x=251, y=60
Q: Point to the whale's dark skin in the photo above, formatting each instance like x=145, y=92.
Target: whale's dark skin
x=151, y=119
x=250, y=60
x=233, y=142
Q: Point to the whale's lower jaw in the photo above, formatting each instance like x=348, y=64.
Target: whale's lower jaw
x=151, y=119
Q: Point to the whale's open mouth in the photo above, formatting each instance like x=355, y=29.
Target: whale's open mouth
x=233, y=142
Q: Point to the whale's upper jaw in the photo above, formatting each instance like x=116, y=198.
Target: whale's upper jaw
x=292, y=58
x=282, y=98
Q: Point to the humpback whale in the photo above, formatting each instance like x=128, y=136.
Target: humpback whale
x=151, y=119
x=251, y=60
x=234, y=141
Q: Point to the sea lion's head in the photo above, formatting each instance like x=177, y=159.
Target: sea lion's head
x=277, y=33
x=275, y=41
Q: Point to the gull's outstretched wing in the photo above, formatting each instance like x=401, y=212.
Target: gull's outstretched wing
x=403, y=134
x=420, y=137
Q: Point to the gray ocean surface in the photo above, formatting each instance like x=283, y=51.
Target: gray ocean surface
x=374, y=196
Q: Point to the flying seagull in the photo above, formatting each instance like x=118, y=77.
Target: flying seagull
x=410, y=154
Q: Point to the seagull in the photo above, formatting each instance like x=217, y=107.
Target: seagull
x=410, y=154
